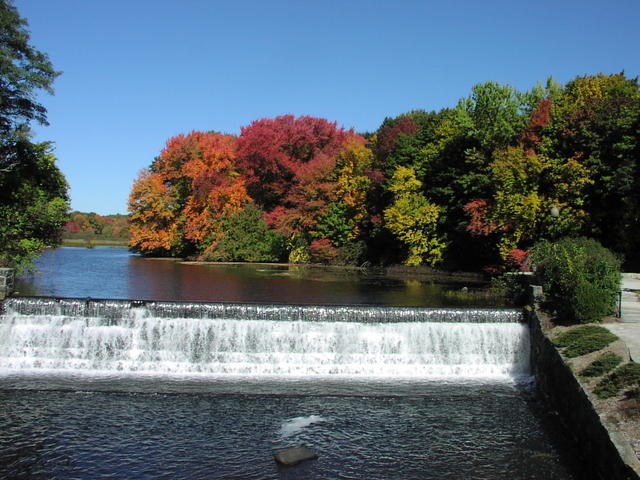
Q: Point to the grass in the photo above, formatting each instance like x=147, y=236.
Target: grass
x=625, y=376
x=604, y=364
x=582, y=340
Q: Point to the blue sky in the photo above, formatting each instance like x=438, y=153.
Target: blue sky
x=137, y=72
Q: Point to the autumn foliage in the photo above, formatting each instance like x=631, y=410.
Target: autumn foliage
x=178, y=205
x=466, y=187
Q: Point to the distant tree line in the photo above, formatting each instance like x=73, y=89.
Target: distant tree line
x=90, y=225
x=468, y=187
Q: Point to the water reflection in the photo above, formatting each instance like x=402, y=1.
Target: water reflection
x=110, y=272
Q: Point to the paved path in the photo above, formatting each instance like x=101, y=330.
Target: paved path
x=628, y=327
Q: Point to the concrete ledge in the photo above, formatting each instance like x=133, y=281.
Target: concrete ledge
x=606, y=451
x=7, y=278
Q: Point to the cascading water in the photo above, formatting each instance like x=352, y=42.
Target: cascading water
x=253, y=340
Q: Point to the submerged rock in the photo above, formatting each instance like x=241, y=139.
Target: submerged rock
x=294, y=455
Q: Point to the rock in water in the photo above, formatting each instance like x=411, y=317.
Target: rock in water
x=294, y=455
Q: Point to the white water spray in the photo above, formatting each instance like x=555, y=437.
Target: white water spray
x=141, y=339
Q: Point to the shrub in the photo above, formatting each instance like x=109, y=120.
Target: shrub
x=602, y=365
x=353, y=253
x=322, y=251
x=582, y=340
x=624, y=376
x=580, y=277
x=513, y=287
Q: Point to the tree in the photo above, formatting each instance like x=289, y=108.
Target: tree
x=354, y=184
x=177, y=206
x=23, y=71
x=274, y=153
x=217, y=190
x=248, y=239
x=33, y=191
x=413, y=220
x=154, y=217
x=596, y=120
x=495, y=114
x=289, y=165
x=33, y=206
x=527, y=187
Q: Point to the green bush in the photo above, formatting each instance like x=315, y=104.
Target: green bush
x=513, y=287
x=602, y=365
x=582, y=340
x=624, y=376
x=581, y=278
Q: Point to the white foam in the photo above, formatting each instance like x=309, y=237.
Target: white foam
x=297, y=424
x=140, y=343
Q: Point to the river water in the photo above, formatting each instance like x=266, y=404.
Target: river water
x=111, y=272
x=128, y=390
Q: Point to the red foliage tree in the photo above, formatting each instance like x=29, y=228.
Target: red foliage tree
x=389, y=134
x=531, y=136
x=71, y=227
x=322, y=251
x=275, y=154
x=290, y=168
x=477, y=210
x=518, y=261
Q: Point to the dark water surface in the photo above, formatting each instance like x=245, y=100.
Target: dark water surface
x=112, y=272
x=439, y=431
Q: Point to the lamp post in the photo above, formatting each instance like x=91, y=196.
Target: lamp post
x=555, y=213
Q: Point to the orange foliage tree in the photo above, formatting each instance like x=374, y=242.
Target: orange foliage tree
x=178, y=205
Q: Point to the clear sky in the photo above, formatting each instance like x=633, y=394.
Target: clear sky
x=137, y=72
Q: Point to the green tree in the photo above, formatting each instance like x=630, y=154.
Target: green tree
x=495, y=114
x=33, y=206
x=247, y=238
x=33, y=191
x=413, y=220
x=596, y=120
x=23, y=71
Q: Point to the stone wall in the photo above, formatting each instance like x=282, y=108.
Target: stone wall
x=6, y=282
x=607, y=453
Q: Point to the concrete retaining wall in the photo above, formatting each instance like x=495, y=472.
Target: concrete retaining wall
x=607, y=452
x=6, y=282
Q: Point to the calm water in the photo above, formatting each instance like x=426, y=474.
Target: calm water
x=108, y=272
x=88, y=425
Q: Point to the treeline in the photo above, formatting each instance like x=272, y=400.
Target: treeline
x=468, y=187
x=86, y=226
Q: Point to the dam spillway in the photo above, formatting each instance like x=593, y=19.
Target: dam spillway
x=82, y=335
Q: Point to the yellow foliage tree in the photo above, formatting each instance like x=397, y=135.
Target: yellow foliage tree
x=413, y=219
x=528, y=187
x=353, y=185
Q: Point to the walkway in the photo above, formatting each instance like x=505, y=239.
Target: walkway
x=628, y=327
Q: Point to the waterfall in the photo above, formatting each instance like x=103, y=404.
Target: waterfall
x=250, y=339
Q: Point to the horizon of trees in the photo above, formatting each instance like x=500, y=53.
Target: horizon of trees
x=86, y=225
x=468, y=187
